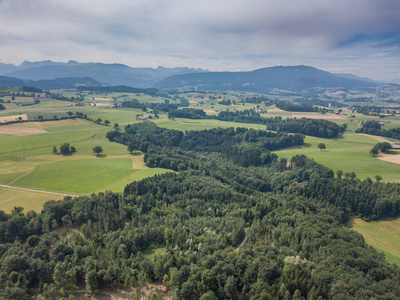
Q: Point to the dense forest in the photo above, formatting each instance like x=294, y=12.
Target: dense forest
x=241, y=116
x=158, y=143
x=299, y=107
x=189, y=113
x=133, y=103
x=297, y=247
x=375, y=128
x=258, y=100
x=314, y=127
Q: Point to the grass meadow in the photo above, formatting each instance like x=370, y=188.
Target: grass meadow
x=83, y=175
x=9, y=198
x=383, y=235
x=27, y=161
x=349, y=153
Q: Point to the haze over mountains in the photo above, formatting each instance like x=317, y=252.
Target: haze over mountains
x=294, y=78
x=111, y=74
x=55, y=75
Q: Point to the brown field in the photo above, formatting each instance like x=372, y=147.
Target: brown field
x=392, y=158
x=19, y=129
x=103, y=99
x=318, y=116
x=60, y=123
x=137, y=162
x=104, y=105
x=277, y=111
x=12, y=118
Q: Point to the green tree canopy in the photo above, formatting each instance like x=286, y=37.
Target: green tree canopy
x=321, y=146
x=97, y=150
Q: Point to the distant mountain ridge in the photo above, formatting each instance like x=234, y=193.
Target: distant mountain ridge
x=352, y=76
x=291, y=78
x=108, y=74
x=53, y=84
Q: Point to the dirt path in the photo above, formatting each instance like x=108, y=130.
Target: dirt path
x=38, y=191
x=244, y=241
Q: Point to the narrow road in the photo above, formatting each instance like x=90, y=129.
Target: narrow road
x=38, y=191
x=244, y=241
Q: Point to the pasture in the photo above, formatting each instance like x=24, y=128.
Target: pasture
x=83, y=175
x=383, y=235
x=349, y=153
x=27, y=199
x=27, y=161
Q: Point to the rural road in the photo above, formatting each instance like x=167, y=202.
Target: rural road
x=38, y=191
x=244, y=241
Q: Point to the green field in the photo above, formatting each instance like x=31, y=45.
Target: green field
x=9, y=198
x=349, y=153
x=383, y=235
x=83, y=176
x=27, y=161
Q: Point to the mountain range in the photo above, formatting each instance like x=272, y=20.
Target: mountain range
x=110, y=74
x=291, y=78
x=56, y=75
x=49, y=84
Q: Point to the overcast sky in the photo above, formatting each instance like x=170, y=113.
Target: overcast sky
x=357, y=36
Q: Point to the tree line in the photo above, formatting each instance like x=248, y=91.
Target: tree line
x=314, y=127
x=375, y=128
x=297, y=107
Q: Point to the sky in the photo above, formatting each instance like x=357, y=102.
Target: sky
x=342, y=36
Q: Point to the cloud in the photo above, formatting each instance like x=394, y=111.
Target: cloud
x=200, y=33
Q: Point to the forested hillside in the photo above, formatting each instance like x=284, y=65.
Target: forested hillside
x=298, y=246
